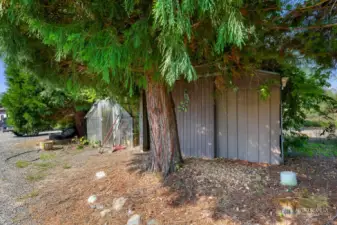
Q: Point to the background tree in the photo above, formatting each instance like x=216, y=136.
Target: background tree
x=32, y=106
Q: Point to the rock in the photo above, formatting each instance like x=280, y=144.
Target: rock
x=118, y=203
x=99, y=206
x=130, y=212
x=100, y=175
x=152, y=222
x=134, y=220
x=104, y=212
x=92, y=199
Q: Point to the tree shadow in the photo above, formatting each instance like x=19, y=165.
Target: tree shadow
x=140, y=163
x=238, y=190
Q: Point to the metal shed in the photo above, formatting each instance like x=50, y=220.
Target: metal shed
x=234, y=124
x=109, y=123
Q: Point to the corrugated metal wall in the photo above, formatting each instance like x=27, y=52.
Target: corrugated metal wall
x=246, y=127
x=196, y=124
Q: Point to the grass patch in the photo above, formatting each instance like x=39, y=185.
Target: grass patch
x=35, y=177
x=32, y=194
x=47, y=156
x=66, y=166
x=22, y=164
x=44, y=165
x=317, y=149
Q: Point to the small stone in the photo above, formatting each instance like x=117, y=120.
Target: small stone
x=104, y=212
x=134, y=220
x=130, y=212
x=118, y=203
x=99, y=206
x=100, y=175
x=152, y=222
x=92, y=199
x=237, y=209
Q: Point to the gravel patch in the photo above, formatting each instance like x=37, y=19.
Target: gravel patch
x=13, y=184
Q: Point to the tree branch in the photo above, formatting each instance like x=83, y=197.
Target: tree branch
x=304, y=28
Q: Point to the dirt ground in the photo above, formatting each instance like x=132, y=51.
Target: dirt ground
x=201, y=192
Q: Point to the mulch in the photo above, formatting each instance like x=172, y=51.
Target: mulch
x=202, y=192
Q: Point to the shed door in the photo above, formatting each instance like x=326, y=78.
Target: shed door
x=194, y=105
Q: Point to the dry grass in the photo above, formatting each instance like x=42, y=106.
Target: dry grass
x=201, y=192
x=35, y=176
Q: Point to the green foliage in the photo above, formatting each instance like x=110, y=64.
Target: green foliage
x=304, y=92
x=294, y=140
x=33, y=106
x=84, y=141
x=183, y=105
x=313, y=123
x=25, y=107
x=120, y=44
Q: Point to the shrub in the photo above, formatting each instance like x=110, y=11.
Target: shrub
x=312, y=123
x=293, y=140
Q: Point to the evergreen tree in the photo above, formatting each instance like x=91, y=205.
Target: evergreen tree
x=32, y=106
x=150, y=44
x=137, y=43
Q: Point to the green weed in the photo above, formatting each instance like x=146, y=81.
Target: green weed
x=44, y=165
x=66, y=166
x=32, y=194
x=35, y=176
x=47, y=156
x=22, y=164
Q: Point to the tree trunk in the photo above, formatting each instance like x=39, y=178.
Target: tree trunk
x=164, y=138
x=79, y=123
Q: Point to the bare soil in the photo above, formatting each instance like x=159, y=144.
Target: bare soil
x=201, y=192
